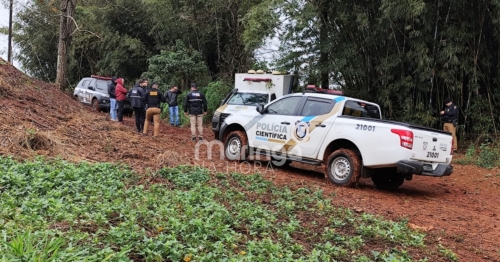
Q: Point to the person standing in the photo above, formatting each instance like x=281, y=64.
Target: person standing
x=153, y=99
x=136, y=96
x=450, y=119
x=121, y=96
x=173, y=107
x=196, y=104
x=112, y=99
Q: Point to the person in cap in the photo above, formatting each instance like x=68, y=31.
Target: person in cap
x=112, y=99
x=450, y=118
x=195, y=104
x=153, y=100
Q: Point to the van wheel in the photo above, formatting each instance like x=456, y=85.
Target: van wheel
x=343, y=167
x=235, y=146
x=387, y=179
x=95, y=105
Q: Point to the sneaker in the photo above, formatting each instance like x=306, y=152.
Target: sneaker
x=193, y=138
x=115, y=120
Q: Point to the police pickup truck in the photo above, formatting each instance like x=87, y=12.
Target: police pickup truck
x=347, y=136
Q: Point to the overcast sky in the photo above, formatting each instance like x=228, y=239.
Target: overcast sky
x=4, y=22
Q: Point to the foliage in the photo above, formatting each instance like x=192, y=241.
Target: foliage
x=178, y=66
x=58, y=211
x=486, y=155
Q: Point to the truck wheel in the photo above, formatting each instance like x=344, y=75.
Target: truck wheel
x=389, y=180
x=235, y=146
x=343, y=167
x=95, y=105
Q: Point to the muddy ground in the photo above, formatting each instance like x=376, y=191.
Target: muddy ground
x=460, y=211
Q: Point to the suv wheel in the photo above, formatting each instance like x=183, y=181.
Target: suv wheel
x=387, y=179
x=343, y=167
x=95, y=105
x=235, y=146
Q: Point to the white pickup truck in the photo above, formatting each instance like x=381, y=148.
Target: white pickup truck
x=346, y=135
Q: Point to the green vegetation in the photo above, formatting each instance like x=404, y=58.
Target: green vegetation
x=58, y=211
x=486, y=155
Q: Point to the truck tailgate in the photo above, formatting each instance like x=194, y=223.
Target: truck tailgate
x=431, y=146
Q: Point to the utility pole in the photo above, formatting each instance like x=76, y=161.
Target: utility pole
x=9, y=55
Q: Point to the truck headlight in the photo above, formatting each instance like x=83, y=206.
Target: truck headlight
x=217, y=114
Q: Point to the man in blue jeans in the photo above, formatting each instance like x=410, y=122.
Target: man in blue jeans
x=173, y=107
x=112, y=99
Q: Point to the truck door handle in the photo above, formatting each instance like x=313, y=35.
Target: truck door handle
x=320, y=125
x=285, y=123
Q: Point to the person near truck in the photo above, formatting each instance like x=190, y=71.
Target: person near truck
x=449, y=117
x=121, y=96
x=136, y=97
x=153, y=99
x=112, y=99
x=173, y=107
x=195, y=104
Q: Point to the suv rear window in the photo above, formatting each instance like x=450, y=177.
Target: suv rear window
x=359, y=109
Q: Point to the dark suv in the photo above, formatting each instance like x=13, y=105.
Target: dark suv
x=93, y=91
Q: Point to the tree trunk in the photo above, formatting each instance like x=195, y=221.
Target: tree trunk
x=65, y=28
x=323, y=39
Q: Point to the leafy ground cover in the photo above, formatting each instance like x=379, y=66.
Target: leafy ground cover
x=58, y=211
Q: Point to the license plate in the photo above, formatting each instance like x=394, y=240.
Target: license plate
x=428, y=168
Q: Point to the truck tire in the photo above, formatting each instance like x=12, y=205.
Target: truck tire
x=388, y=180
x=95, y=105
x=235, y=146
x=343, y=167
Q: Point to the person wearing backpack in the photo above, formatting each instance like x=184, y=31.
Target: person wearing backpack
x=173, y=107
x=112, y=99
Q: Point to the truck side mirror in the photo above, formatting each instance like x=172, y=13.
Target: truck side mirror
x=222, y=102
x=260, y=109
x=91, y=87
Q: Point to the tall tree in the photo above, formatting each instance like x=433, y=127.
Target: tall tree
x=66, y=26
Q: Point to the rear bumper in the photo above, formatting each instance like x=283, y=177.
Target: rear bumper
x=417, y=168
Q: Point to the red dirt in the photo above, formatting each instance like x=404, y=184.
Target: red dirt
x=459, y=211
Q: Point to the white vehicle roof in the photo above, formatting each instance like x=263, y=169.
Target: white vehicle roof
x=328, y=96
x=254, y=91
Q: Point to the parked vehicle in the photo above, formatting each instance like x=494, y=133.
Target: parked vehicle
x=93, y=91
x=252, y=89
x=346, y=135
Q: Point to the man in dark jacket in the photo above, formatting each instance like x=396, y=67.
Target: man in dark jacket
x=173, y=107
x=136, y=97
x=450, y=118
x=153, y=99
x=196, y=104
x=112, y=99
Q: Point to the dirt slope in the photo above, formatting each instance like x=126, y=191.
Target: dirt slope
x=460, y=211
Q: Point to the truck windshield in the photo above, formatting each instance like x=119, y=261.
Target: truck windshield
x=248, y=99
x=358, y=109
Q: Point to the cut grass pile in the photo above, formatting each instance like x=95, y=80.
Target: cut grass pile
x=58, y=211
